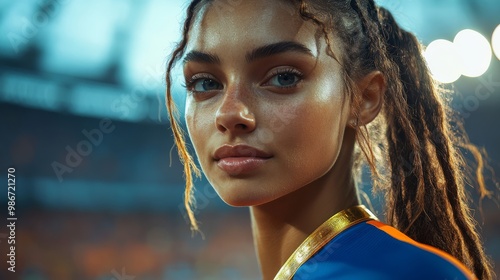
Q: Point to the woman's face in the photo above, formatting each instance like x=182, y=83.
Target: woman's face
x=264, y=108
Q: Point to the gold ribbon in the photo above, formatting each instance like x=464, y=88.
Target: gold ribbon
x=321, y=236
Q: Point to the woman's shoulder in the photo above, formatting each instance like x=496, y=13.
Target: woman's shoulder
x=374, y=250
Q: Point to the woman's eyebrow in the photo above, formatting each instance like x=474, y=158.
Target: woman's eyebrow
x=258, y=53
x=201, y=57
x=277, y=48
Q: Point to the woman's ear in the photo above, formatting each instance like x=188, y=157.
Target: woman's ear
x=371, y=89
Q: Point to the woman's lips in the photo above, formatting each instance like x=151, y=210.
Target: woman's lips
x=235, y=166
x=240, y=159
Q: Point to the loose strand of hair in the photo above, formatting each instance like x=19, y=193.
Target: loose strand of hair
x=186, y=159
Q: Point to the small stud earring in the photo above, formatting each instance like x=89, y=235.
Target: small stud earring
x=354, y=123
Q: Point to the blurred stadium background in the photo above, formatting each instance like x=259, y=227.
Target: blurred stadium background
x=83, y=121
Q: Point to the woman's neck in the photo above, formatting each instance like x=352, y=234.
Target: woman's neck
x=280, y=226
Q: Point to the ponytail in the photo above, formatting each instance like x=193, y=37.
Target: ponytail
x=426, y=198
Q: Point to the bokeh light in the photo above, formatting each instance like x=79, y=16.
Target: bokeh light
x=442, y=59
x=474, y=51
x=495, y=41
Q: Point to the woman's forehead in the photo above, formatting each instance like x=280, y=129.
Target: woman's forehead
x=249, y=24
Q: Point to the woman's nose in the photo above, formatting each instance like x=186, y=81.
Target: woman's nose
x=234, y=115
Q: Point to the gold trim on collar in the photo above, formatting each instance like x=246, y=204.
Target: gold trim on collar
x=321, y=236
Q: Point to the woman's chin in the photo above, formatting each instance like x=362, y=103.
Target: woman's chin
x=242, y=192
x=241, y=199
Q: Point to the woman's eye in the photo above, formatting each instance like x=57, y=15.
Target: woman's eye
x=284, y=80
x=205, y=84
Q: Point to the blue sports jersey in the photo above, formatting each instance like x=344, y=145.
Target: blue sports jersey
x=369, y=249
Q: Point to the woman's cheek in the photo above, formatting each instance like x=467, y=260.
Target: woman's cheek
x=197, y=125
